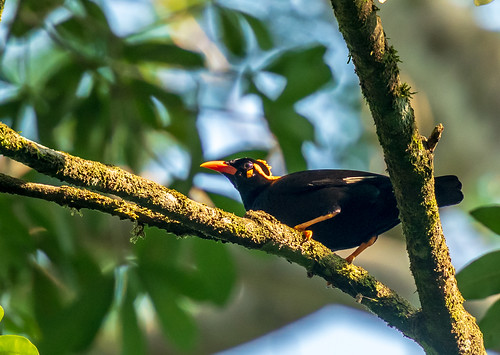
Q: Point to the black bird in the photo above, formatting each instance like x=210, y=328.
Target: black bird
x=339, y=208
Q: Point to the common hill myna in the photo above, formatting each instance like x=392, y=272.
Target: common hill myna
x=339, y=208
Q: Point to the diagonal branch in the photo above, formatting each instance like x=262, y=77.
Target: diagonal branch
x=149, y=203
x=80, y=198
x=410, y=164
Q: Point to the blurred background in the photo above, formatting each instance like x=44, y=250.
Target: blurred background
x=159, y=86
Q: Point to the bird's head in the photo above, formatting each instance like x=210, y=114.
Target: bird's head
x=249, y=176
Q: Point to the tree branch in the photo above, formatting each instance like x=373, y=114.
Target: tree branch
x=80, y=198
x=2, y=4
x=451, y=329
x=431, y=142
x=149, y=203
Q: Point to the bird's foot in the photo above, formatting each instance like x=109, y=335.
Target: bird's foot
x=360, y=249
x=307, y=235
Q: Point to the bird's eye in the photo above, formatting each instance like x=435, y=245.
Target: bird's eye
x=248, y=165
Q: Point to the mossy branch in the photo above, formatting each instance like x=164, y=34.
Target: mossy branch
x=146, y=202
x=409, y=158
x=2, y=4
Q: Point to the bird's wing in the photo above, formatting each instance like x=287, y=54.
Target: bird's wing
x=306, y=181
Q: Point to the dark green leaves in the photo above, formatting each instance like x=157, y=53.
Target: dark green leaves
x=71, y=327
x=489, y=216
x=490, y=326
x=89, y=34
x=216, y=271
x=261, y=32
x=31, y=13
x=199, y=269
x=233, y=31
x=174, y=271
x=291, y=130
x=305, y=72
x=133, y=341
x=95, y=97
x=481, y=278
x=176, y=323
x=161, y=52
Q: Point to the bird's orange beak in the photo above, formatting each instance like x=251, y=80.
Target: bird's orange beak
x=220, y=166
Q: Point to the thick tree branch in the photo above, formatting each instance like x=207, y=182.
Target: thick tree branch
x=2, y=4
x=149, y=203
x=74, y=197
x=451, y=329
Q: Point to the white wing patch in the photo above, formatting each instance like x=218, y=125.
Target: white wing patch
x=355, y=179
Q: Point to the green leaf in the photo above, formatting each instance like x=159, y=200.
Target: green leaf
x=11, y=108
x=16, y=244
x=231, y=32
x=490, y=326
x=92, y=129
x=290, y=128
x=481, y=278
x=57, y=98
x=53, y=227
x=158, y=247
x=216, y=270
x=291, y=131
x=488, y=216
x=132, y=337
x=161, y=52
x=74, y=328
x=305, y=71
x=261, y=32
x=48, y=301
x=31, y=14
x=16, y=345
x=481, y=2
x=177, y=324
x=172, y=102
x=182, y=281
x=161, y=258
x=90, y=34
x=96, y=14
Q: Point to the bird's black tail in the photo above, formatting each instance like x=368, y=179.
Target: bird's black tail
x=448, y=190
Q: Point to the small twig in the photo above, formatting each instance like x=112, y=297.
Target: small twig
x=431, y=142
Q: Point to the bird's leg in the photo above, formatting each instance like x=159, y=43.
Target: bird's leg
x=360, y=249
x=303, y=226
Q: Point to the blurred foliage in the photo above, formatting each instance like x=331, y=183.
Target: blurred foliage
x=489, y=216
x=197, y=79
x=481, y=2
x=481, y=278
x=15, y=344
x=73, y=83
x=288, y=126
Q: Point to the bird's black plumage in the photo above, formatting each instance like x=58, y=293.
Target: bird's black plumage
x=365, y=202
